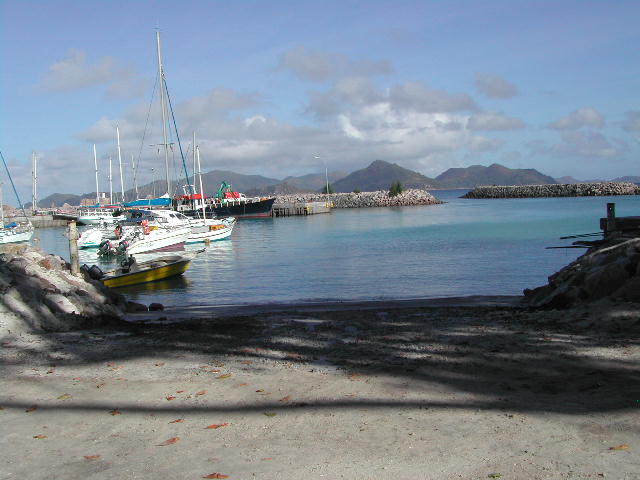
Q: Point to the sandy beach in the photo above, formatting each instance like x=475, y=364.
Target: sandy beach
x=470, y=388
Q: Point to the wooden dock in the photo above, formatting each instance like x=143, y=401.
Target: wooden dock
x=300, y=208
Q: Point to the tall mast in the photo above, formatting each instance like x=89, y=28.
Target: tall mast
x=1, y=207
x=34, y=177
x=204, y=213
x=110, y=183
x=194, y=160
x=95, y=161
x=163, y=107
x=135, y=181
x=120, y=163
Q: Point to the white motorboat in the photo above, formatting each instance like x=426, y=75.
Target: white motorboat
x=98, y=216
x=201, y=230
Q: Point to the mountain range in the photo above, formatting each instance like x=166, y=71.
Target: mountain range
x=377, y=176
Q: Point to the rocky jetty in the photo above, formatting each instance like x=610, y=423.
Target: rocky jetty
x=555, y=190
x=38, y=292
x=364, y=199
x=609, y=271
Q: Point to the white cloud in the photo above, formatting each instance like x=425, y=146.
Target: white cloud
x=632, y=121
x=488, y=121
x=321, y=66
x=494, y=86
x=586, y=144
x=416, y=96
x=583, y=117
x=74, y=73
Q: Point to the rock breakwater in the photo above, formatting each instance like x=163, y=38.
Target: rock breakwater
x=38, y=292
x=609, y=271
x=364, y=199
x=555, y=190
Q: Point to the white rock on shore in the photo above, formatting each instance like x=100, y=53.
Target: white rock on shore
x=364, y=199
x=39, y=293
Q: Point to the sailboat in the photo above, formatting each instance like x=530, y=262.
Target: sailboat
x=14, y=232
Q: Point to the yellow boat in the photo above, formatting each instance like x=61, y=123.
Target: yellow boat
x=133, y=273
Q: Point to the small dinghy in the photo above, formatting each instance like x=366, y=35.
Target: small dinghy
x=132, y=273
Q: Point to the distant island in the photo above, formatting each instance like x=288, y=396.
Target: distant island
x=375, y=177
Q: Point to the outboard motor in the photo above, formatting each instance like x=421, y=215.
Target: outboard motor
x=121, y=249
x=95, y=272
x=105, y=248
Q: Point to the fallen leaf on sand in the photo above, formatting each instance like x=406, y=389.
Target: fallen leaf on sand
x=285, y=399
x=216, y=475
x=170, y=441
x=159, y=364
x=246, y=362
x=494, y=475
x=31, y=408
x=50, y=371
x=624, y=446
x=243, y=384
x=270, y=414
x=65, y=396
x=223, y=376
x=92, y=457
x=100, y=385
x=178, y=420
x=170, y=397
x=179, y=391
x=217, y=425
x=201, y=392
x=39, y=437
x=115, y=411
x=266, y=458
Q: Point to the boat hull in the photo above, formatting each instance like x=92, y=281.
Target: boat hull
x=159, y=241
x=8, y=236
x=148, y=275
x=243, y=208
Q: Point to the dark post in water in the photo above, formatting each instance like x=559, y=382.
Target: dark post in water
x=611, y=218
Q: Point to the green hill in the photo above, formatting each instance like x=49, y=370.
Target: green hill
x=379, y=176
x=495, y=174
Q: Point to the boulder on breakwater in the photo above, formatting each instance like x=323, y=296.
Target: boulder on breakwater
x=609, y=271
x=38, y=292
x=555, y=190
x=379, y=198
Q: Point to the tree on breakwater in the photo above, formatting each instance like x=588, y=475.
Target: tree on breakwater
x=395, y=188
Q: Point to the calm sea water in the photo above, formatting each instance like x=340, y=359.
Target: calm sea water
x=463, y=247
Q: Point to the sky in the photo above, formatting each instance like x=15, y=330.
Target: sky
x=281, y=88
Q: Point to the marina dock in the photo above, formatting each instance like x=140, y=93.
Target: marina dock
x=300, y=208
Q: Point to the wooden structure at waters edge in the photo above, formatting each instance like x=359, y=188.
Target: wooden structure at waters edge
x=613, y=225
x=300, y=208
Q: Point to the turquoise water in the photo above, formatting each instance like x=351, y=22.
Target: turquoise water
x=463, y=247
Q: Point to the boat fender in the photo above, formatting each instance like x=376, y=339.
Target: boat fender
x=145, y=227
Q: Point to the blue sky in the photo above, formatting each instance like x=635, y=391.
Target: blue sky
x=267, y=86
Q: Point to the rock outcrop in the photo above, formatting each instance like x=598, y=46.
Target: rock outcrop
x=555, y=190
x=611, y=271
x=364, y=199
x=39, y=293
